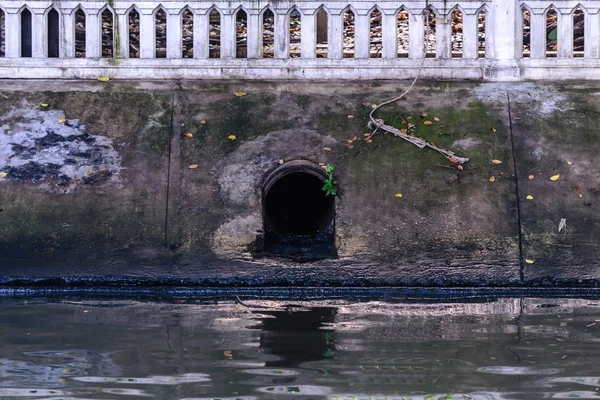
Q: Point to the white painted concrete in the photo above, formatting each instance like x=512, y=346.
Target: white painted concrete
x=503, y=40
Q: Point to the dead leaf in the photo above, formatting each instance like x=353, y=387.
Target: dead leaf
x=496, y=162
x=530, y=177
x=529, y=197
x=459, y=167
x=227, y=353
x=240, y=94
x=62, y=120
x=354, y=139
x=281, y=161
x=327, y=148
x=452, y=159
x=427, y=123
x=231, y=137
x=350, y=116
x=104, y=79
x=366, y=134
x=403, y=131
x=577, y=187
x=528, y=261
x=369, y=140
x=494, y=130
x=350, y=146
x=3, y=174
x=193, y=166
x=399, y=195
x=424, y=115
x=581, y=196
x=189, y=134
x=203, y=122
x=555, y=177
x=436, y=119
x=492, y=179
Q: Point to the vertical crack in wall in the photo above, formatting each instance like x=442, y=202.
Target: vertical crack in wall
x=512, y=142
x=173, y=144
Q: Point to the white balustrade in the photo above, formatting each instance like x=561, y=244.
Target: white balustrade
x=500, y=26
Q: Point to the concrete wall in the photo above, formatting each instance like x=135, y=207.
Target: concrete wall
x=108, y=192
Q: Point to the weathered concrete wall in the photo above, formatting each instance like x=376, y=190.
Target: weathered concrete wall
x=122, y=202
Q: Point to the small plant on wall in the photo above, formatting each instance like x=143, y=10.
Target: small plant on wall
x=329, y=183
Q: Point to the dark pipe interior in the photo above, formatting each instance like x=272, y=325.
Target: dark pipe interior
x=297, y=205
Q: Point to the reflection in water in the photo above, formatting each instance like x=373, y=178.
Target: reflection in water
x=499, y=349
x=297, y=337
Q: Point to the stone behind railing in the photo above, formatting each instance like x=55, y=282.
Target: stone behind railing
x=489, y=39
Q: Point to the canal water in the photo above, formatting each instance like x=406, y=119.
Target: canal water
x=502, y=348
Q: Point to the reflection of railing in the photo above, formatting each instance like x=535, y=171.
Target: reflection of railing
x=489, y=39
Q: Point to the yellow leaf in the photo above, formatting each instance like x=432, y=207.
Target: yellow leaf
x=436, y=119
x=189, y=134
x=569, y=162
x=494, y=130
x=399, y=195
x=530, y=177
x=374, y=106
x=193, y=166
x=62, y=120
x=493, y=179
x=554, y=178
x=326, y=148
x=65, y=370
x=3, y=174
x=240, y=94
x=104, y=79
x=528, y=261
x=203, y=122
x=427, y=123
x=227, y=353
x=44, y=105
x=496, y=162
x=231, y=137
x=529, y=197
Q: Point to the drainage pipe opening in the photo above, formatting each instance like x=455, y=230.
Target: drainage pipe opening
x=298, y=216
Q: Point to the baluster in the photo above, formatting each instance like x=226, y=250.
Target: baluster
x=254, y=34
x=565, y=35
x=174, y=35
x=282, y=35
x=93, y=37
x=416, y=35
x=12, y=35
x=66, y=44
x=389, y=35
x=38, y=35
x=201, y=31
x=335, y=36
x=308, y=35
x=227, y=35
x=362, y=35
x=147, y=34
x=122, y=32
x=537, y=37
x=443, y=37
x=503, y=29
x=470, y=36
x=590, y=34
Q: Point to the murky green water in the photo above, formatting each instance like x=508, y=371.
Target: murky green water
x=185, y=349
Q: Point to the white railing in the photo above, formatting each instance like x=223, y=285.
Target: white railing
x=473, y=39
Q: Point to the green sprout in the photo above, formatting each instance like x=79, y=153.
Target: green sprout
x=329, y=182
